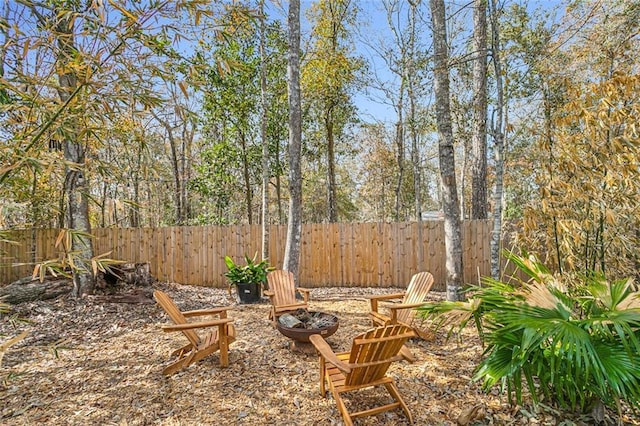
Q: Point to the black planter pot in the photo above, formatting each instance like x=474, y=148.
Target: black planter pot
x=249, y=292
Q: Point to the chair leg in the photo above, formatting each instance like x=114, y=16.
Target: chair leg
x=342, y=408
x=407, y=355
x=393, y=390
x=427, y=336
x=323, y=373
x=178, y=365
x=224, y=351
x=172, y=368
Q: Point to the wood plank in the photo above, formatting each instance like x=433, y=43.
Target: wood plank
x=203, y=265
x=191, y=249
x=315, y=248
x=376, y=259
x=332, y=255
x=216, y=257
x=387, y=249
x=206, y=265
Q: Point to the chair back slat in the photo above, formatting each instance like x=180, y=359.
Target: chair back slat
x=283, y=284
x=419, y=286
x=175, y=314
x=376, y=349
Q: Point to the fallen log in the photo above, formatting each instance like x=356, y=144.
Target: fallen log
x=290, y=321
x=132, y=274
x=27, y=291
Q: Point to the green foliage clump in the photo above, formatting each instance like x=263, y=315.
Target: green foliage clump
x=571, y=342
x=251, y=272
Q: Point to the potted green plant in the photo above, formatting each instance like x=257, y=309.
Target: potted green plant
x=248, y=278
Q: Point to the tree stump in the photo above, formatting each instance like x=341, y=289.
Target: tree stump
x=137, y=274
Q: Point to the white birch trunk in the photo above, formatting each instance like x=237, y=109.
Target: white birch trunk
x=499, y=140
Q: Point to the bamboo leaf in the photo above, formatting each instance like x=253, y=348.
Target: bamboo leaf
x=183, y=88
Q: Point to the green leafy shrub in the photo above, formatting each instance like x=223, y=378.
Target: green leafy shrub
x=250, y=272
x=573, y=342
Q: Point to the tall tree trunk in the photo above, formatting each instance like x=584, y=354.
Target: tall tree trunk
x=135, y=209
x=179, y=164
x=479, y=137
x=175, y=166
x=248, y=192
x=451, y=206
x=464, y=171
x=413, y=128
x=329, y=127
x=263, y=137
x=294, y=225
x=188, y=134
x=400, y=145
x=278, y=186
x=103, y=204
x=498, y=132
x=76, y=180
x=331, y=167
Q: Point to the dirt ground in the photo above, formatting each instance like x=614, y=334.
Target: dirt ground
x=95, y=362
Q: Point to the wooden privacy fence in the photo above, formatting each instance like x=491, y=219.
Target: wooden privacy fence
x=337, y=254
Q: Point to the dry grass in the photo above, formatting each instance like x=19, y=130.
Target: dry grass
x=90, y=362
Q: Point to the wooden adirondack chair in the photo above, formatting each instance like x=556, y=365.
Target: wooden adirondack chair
x=404, y=312
x=364, y=366
x=282, y=293
x=220, y=335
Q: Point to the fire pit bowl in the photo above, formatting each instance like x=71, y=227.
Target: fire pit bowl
x=302, y=324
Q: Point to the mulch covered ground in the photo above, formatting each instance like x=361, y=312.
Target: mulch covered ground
x=97, y=362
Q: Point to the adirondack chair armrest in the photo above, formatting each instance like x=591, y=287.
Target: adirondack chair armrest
x=305, y=293
x=325, y=351
x=209, y=311
x=192, y=325
x=398, y=307
x=395, y=308
x=387, y=296
x=375, y=299
x=407, y=305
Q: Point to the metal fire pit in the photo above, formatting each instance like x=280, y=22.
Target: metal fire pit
x=312, y=323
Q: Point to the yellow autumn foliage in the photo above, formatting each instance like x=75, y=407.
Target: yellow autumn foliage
x=587, y=216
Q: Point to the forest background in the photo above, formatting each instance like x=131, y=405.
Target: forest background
x=178, y=114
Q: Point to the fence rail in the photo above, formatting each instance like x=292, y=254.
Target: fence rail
x=345, y=254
